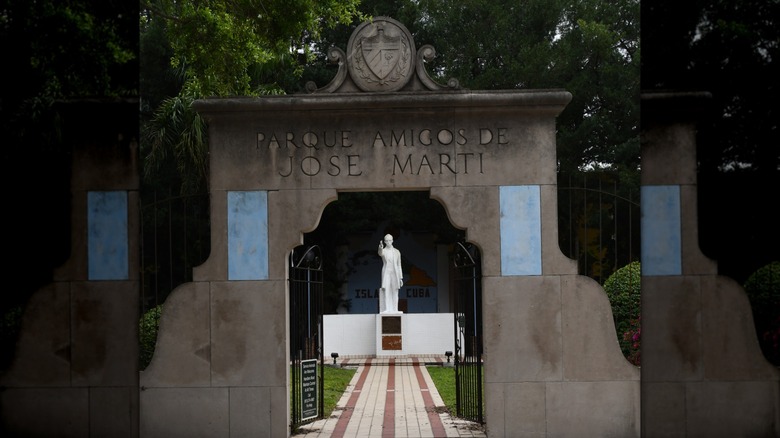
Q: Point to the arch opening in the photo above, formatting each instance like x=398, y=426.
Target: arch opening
x=349, y=231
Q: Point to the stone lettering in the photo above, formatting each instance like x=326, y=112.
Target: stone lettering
x=378, y=140
x=425, y=163
x=461, y=137
x=452, y=162
x=425, y=137
x=334, y=170
x=440, y=164
x=399, y=140
x=352, y=165
x=502, y=136
x=445, y=137
x=312, y=166
x=310, y=139
x=485, y=136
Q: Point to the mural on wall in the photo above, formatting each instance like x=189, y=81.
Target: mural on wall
x=419, y=293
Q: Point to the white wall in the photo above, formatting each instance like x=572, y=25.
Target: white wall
x=357, y=335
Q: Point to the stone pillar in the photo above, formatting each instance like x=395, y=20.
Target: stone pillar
x=75, y=370
x=703, y=373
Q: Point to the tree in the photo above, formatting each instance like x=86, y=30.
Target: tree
x=588, y=48
x=242, y=36
x=192, y=50
x=251, y=48
x=584, y=47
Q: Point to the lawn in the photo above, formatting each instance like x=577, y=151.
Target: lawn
x=336, y=381
x=444, y=379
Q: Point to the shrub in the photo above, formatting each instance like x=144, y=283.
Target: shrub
x=633, y=338
x=147, y=335
x=623, y=289
x=763, y=290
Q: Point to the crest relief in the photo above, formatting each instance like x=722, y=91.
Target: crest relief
x=381, y=57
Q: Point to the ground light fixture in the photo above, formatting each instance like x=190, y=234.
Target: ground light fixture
x=334, y=355
x=449, y=355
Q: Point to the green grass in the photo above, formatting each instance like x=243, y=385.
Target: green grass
x=335, y=383
x=444, y=379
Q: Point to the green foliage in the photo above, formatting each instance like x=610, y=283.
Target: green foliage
x=147, y=335
x=74, y=48
x=583, y=47
x=624, y=291
x=763, y=290
x=216, y=48
x=177, y=136
x=221, y=42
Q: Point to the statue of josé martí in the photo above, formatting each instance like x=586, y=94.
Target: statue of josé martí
x=392, y=276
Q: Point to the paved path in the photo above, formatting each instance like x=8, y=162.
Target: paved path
x=391, y=397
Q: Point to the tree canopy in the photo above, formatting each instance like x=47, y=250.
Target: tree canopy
x=216, y=48
x=225, y=45
x=589, y=48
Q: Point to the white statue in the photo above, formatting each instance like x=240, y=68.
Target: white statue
x=392, y=276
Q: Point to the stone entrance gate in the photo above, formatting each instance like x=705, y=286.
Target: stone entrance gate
x=552, y=365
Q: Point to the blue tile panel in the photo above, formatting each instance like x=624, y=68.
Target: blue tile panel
x=107, y=236
x=247, y=235
x=661, y=231
x=521, y=230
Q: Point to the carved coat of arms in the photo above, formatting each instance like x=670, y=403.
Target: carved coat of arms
x=382, y=55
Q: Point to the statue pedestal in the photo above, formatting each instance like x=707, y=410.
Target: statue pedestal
x=389, y=334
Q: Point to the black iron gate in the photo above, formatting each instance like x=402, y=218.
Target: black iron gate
x=306, y=379
x=468, y=332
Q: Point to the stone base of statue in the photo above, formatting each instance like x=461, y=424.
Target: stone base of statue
x=389, y=332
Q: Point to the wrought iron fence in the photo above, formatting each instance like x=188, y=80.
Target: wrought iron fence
x=467, y=264
x=175, y=237
x=306, y=356
x=598, y=225
x=598, y=222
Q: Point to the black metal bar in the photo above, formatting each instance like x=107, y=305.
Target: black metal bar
x=306, y=305
x=468, y=332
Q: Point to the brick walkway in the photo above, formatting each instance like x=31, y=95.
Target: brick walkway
x=391, y=397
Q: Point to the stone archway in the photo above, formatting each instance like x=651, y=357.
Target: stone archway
x=552, y=365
